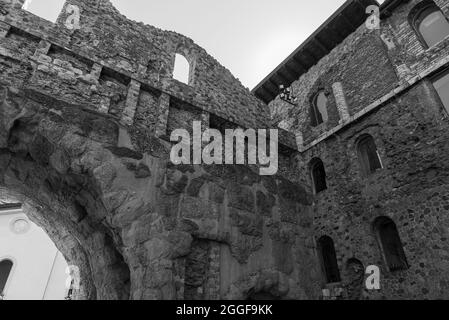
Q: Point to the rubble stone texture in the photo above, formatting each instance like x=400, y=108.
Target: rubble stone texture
x=385, y=76
x=85, y=117
x=84, y=120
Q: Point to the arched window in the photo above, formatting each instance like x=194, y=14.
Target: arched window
x=181, y=72
x=5, y=271
x=318, y=109
x=429, y=23
x=318, y=174
x=368, y=155
x=328, y=256
x=390, y=244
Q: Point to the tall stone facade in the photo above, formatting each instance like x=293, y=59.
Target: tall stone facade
x=379, y=82
x=85, y=116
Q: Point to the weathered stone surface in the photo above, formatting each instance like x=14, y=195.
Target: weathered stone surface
x=126, y=153
x=132, y=218
x=292, y=192
x=283, y=257
x=141, y=171
x=240, y=197
x=384, y=81
x=83, y=143
x=265, y=203
x=216, y=193
x=194, y=208
x=248, y=223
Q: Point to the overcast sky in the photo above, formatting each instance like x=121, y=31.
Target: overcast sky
x=249, y=37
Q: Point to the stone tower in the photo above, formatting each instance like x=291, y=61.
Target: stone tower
x=86, y=116
x=381, y=144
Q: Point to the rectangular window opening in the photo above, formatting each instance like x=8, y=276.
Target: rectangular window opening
x=45, y=9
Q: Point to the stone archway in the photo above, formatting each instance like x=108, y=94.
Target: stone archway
x=58, y=173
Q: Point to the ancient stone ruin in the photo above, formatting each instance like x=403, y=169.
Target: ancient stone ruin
x=85, y=119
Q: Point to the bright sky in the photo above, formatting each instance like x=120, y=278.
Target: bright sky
x=249, y=37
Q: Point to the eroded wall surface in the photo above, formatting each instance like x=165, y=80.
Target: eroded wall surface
x=378, y=82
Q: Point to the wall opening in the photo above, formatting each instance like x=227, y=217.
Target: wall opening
x=328, y=257
x=46, y=9
x=318, y=174
x=5, y=272
x=441, y=85
x=390, y=244
x=181, y=71
x=39, y=267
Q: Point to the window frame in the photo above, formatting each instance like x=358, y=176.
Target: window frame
x=376, y=224
x=417, y=16
x=314, y=110
x=435, y=77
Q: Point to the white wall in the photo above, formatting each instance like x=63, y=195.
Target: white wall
x=39, y=269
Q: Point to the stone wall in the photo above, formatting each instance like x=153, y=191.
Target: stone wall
x=135, y=51
x=380, y=78
x=85, y=116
